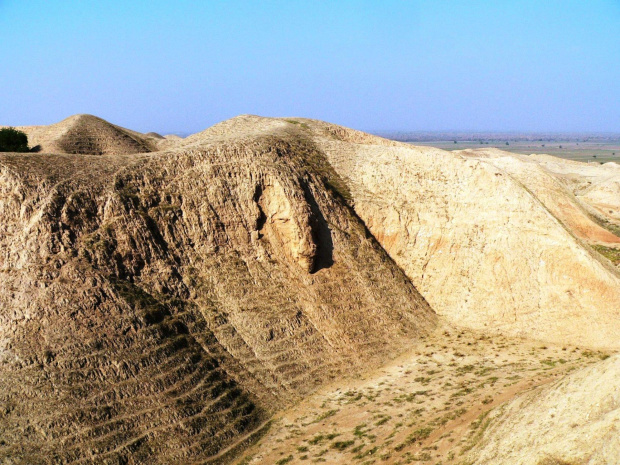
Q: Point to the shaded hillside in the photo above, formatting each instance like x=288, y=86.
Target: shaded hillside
x=159, y=308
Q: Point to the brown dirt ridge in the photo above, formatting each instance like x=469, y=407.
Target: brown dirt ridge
x=88, y=135
x=156, y=307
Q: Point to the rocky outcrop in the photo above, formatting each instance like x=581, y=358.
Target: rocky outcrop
x=287, y=226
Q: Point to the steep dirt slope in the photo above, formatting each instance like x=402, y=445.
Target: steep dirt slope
x=574, y=421
x=558, y=193
x=492, y=241
x=158, y=308
x=594, y=185
x=87, y=134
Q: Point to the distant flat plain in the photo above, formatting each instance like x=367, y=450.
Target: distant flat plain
x=600, y=148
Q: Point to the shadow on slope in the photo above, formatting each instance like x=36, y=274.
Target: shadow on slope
x=154, y=309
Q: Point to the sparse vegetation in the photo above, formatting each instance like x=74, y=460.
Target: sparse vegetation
x=299, y=123
x=612, y=254
x=393, y=402
x=478, y=428
x=342, y=445
x=323, y=416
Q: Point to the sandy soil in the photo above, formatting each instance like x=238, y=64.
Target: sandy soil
x=429, y=405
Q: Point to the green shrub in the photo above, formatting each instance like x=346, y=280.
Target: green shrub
x=342, y=445
x=284, y=460
x=12, y=140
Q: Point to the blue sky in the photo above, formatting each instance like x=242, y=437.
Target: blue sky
x=166, y=66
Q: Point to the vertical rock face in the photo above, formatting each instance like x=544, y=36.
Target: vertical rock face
x=158, y=308
x=287, y=226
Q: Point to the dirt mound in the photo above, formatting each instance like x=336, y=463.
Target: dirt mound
x=242, y=125
x=304, y=127
x=575, y=420
x=159, y=308
x=87, y=135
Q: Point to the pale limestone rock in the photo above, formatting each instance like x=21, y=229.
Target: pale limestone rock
x=287, y=227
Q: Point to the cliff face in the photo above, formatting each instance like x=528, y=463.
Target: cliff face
x=160, y=307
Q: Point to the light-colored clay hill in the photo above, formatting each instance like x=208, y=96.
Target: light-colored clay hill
x=492, y=240
x=574, y=421
x=595, y=185
x=161, y=307
x=88, y=135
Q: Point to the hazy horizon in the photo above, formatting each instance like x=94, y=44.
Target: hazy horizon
x=522, y=66
x=464, y=134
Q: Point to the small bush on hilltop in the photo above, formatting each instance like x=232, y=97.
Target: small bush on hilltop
x=13, y=140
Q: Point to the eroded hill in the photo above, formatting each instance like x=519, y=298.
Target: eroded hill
x=160, y=307
x=88, y=135
x=160, y=301
x=578, y=418
x=492, y=240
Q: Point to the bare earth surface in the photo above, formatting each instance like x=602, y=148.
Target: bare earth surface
x=575, y=420
x=159, y=308
x=346, y=298
x=492, y=240
x=428, y=406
